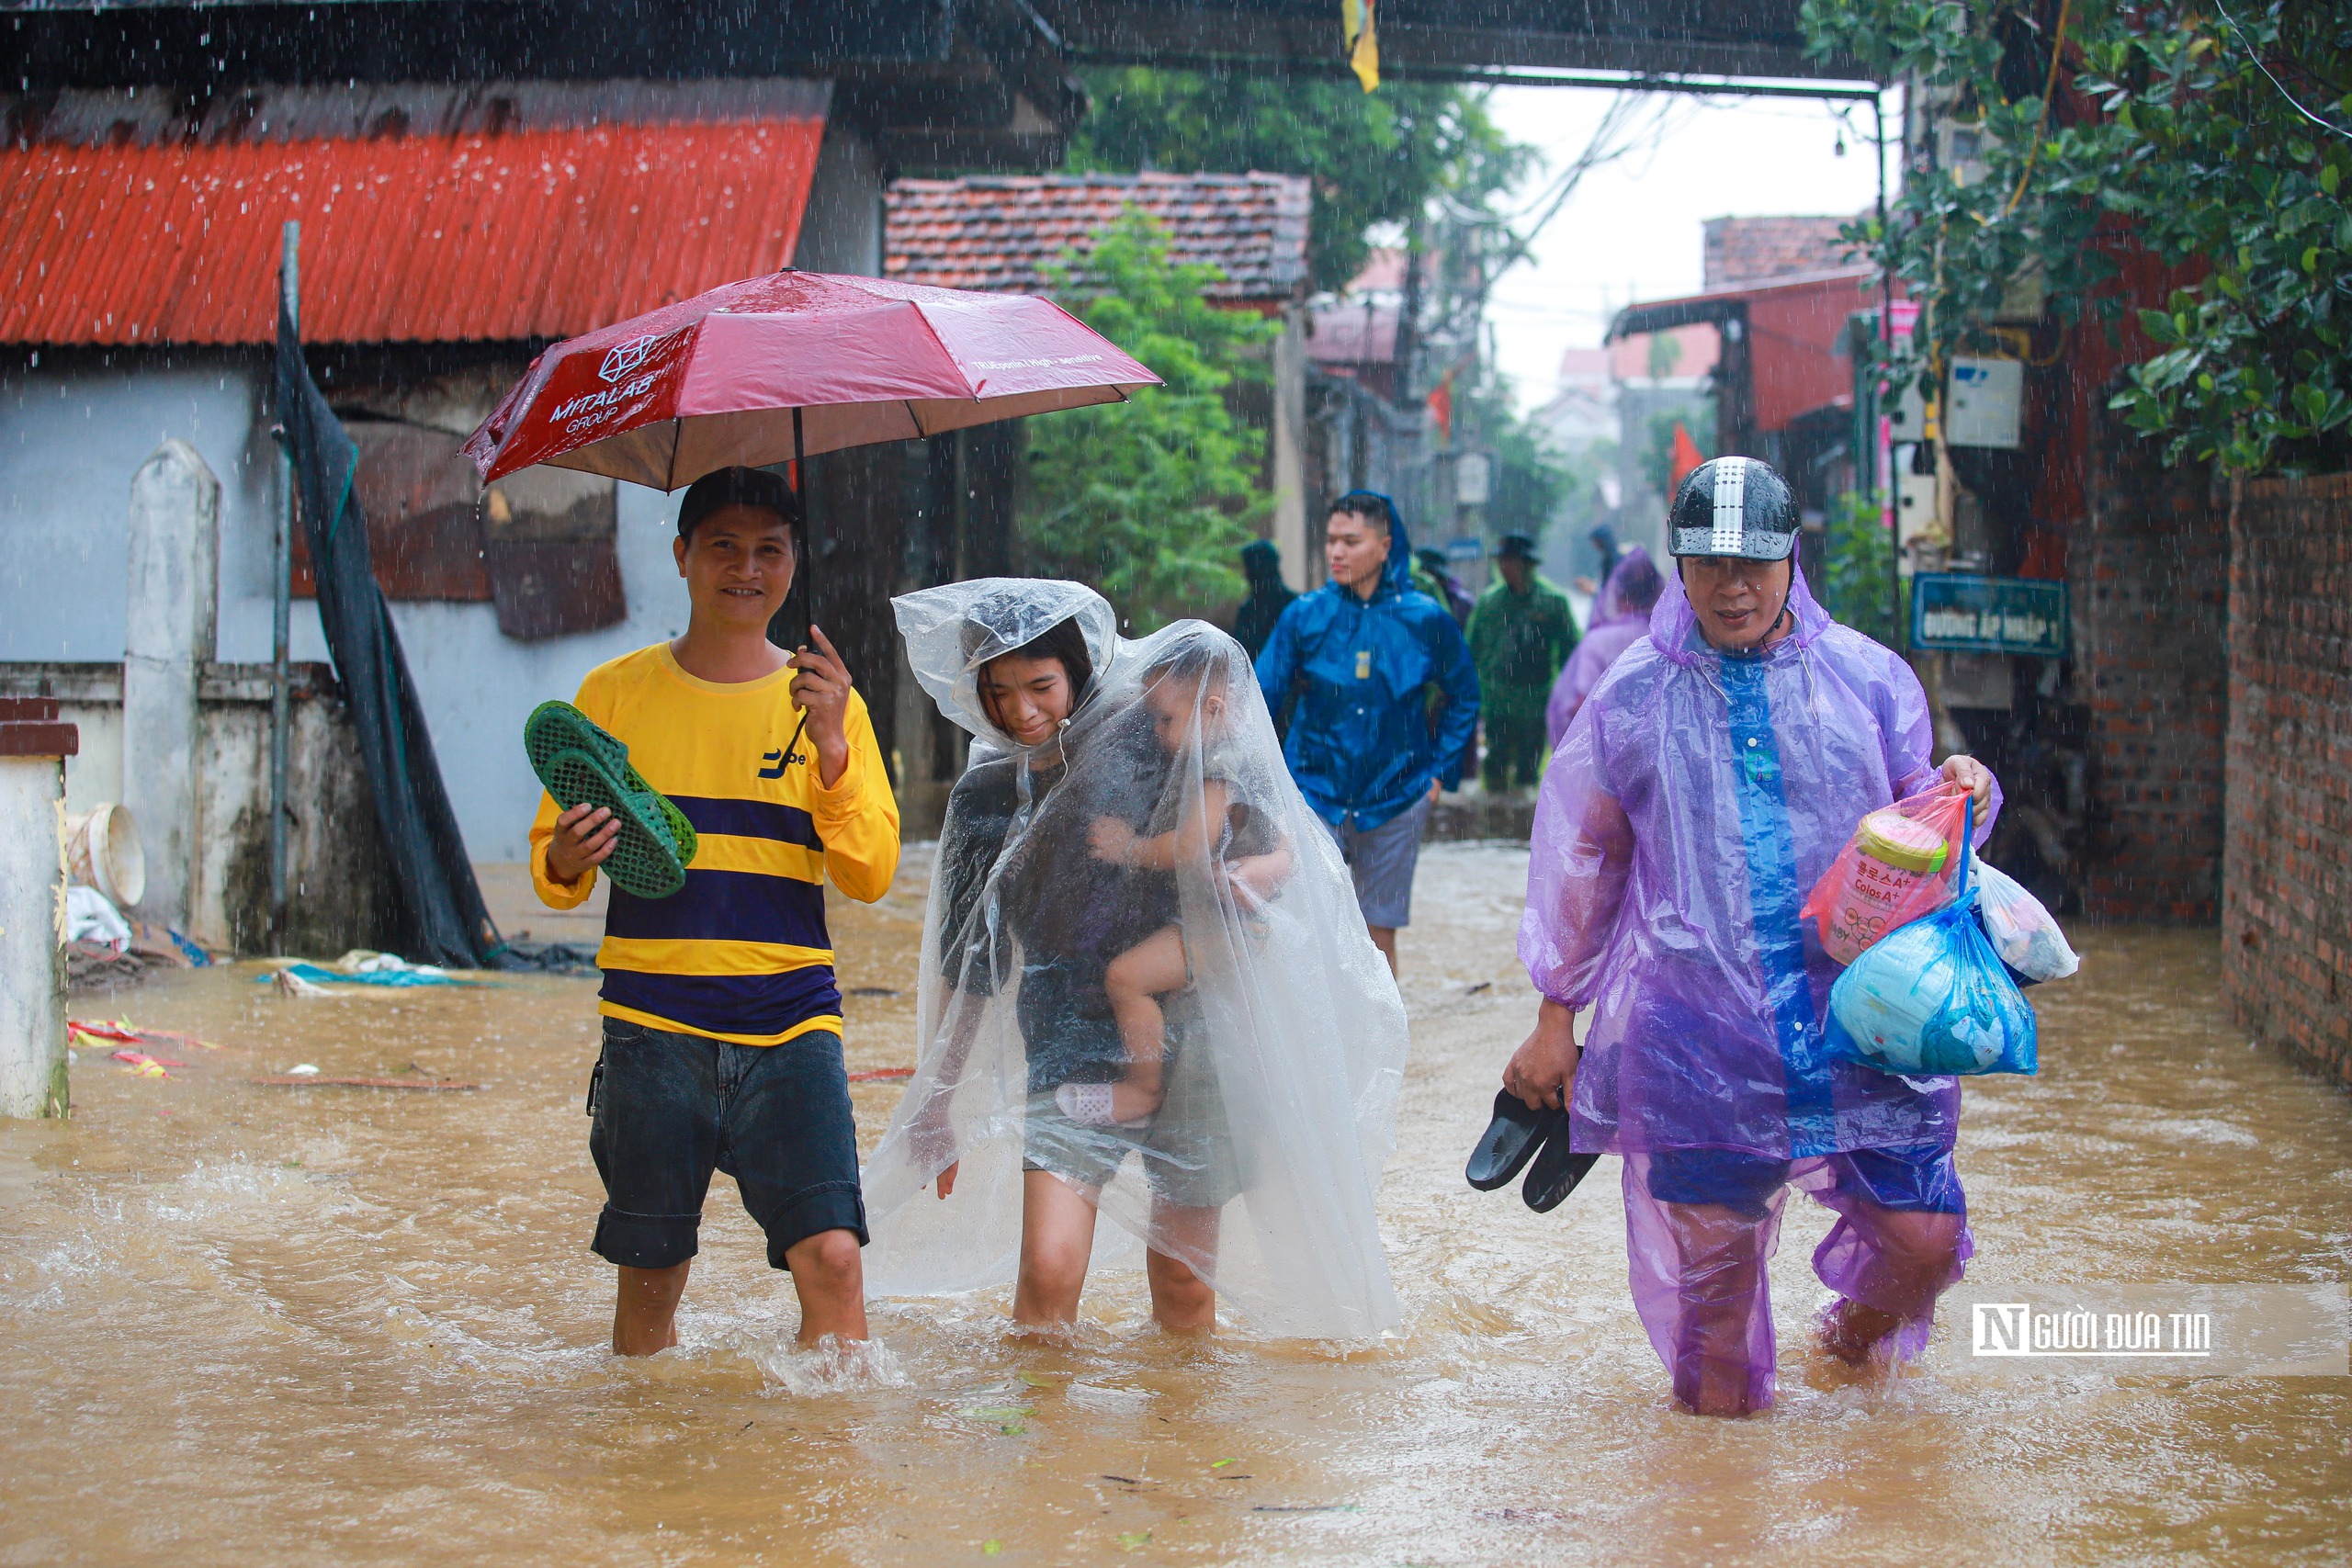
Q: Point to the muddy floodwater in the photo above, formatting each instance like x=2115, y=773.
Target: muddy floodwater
x=258, y=1325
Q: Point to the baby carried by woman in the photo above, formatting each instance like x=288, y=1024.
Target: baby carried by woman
x=1140, y=995
x=1232, y=828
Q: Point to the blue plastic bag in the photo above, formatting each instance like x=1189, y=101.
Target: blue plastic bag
x=1933, y=997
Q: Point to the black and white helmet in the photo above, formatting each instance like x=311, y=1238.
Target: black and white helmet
x=1734, y=506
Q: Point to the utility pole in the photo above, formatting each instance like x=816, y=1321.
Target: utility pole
x=281, y=613
x=1893, y=491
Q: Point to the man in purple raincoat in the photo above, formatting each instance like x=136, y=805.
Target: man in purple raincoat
x=1703, y=787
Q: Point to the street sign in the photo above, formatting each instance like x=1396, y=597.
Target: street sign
x=1988, y=614
x=1473, y=474
x=1467, y=548
x=1987, y=404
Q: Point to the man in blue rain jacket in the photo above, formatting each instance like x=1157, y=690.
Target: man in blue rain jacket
x=1387, y=697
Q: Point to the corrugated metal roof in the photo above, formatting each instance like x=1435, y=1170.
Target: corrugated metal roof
x=523, y=233
x=112, y=117
x=1000, y=233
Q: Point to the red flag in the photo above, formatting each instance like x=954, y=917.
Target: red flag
x=1441, y=404
x=1687, y=457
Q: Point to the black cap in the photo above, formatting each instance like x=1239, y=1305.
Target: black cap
x=739, y=487
x=1736, y=507
x=1515, y=547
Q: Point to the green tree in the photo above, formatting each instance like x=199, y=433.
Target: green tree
x=2217, y=134
x=1150, y=500
x=1859, y=569
x=1373, y=157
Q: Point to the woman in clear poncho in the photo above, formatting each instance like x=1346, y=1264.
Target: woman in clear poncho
x=1126, y=823
x=1702, y=788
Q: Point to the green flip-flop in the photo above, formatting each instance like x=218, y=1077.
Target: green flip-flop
x=579, y=762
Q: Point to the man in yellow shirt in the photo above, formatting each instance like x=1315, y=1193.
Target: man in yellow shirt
x=722, y=1019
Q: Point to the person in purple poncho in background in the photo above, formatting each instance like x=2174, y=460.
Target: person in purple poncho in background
x=1621, y=617
x=1703, y=786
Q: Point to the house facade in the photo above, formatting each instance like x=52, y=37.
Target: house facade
x=463, y=202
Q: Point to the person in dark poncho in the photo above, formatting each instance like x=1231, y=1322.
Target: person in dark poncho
x=1269, y=596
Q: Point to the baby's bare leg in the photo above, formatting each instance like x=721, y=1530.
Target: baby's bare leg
x=1135, y=982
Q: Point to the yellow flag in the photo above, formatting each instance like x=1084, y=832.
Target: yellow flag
x=1362, y=31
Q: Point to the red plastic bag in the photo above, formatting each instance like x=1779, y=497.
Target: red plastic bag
x=1899, y=867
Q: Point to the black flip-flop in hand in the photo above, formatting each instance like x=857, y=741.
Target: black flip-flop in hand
x=1518, y=1135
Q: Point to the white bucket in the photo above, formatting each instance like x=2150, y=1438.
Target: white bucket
x=102, y=851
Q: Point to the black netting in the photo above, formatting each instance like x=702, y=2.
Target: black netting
x=443, y=920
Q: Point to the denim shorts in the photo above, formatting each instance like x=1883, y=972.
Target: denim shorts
x=1190, y=1156
x=1381, y=860
x=1910, y=1180
x=669, y=1109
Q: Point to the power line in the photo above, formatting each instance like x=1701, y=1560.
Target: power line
x=2248, y=44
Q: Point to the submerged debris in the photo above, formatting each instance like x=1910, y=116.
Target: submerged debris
x=298, y=1078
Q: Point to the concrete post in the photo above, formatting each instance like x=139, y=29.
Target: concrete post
x=167, y=639
x=33, y=749
x=1295, y=535
x=840, y=224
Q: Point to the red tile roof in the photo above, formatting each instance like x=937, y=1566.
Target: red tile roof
x=1000, y=233
x=1747, y=250
x=485, y=227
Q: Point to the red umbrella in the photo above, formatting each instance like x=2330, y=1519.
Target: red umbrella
x=792, y=365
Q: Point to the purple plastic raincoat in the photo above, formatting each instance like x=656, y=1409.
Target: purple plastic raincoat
x=1693, y=803
x=1695, y=799
x=1618, y=623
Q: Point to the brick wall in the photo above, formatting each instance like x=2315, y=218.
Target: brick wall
x=2286, y=920
x=2148, y=571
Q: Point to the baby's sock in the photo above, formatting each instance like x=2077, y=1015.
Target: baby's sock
x=1089, y=1105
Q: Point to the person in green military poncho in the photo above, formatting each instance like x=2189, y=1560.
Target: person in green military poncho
x=1520, y=634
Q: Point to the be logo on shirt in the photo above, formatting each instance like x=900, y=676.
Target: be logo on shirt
x=776, y=762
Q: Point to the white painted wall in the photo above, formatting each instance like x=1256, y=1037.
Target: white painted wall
x=70, y=438
x=73, y=432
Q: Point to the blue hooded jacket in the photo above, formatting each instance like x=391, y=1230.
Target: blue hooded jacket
x=1360, y=742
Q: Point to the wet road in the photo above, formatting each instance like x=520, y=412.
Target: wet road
x=259, y=1324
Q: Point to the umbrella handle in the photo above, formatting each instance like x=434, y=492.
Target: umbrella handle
x=807, y=526
x=808, y=601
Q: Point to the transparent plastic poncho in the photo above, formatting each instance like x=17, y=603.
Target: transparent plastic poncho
x=1283, y=1053
x=1692, y=803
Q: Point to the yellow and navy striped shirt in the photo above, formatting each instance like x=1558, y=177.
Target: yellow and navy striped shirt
x=742, y=953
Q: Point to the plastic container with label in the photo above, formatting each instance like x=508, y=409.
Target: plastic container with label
x=1897, y=875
